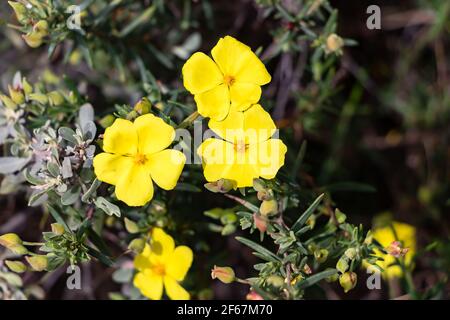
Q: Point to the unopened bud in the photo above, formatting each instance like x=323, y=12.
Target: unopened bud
x=269, y=207
x=340, y=216
x=33, y=40
x=342, y=264
x=41, y=28
x=57, y=228
x=10, y=239
x=16, y=95
x=350, y=253
x=16, y=266
x=37, y=262
x=265, y=194
x=275, y=281
x=131, y=226
x=260, y=222
x=137, y=245
x=334, y=43
x=252, y=295
x=348, y=281
x=321, y=255
x=27, y=88
x=143, y=106
x=307, y=269
x=395, y=249
x=369, y=238
x=107, y=121
x=332, y=278
x=222, y=186
x=224, y=274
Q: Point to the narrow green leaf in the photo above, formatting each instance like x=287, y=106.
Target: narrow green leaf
x=308, y=212
x=315, y=278
x=268, y=255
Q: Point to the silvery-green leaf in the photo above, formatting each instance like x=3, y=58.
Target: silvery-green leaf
x=86, y=114
x=123, y=275
x=11, y=278
x=89, y=131
x=108, y=207
x=70, y=196
x=67, y=134
x=12, y=164
x=38, y=197
x=66, y=168
x=9, y=184
x=53, y=168
x=61, y=188
x=94, y=186
x=31, y=178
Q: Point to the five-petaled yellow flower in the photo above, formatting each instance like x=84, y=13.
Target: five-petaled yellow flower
x=161, y=264
x=406, y=235
x=247, y=151
x=233, y=79
x=135, y=154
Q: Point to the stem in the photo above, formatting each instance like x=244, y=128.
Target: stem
x=187, y=122
x=26, y=243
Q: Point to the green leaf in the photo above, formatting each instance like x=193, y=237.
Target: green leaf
x=58, y=217
x=268, y=255
x=146, y=15
x=70, y=196
x=100, y=256
x=308, y=212
x=12, y=164
x=108, y=207
x=315, y=278
x=94, y=186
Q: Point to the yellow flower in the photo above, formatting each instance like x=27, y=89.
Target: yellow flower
x=162, y=264
x=135, y=154
x=247, y=151
x=385, y=236
x=233, y=78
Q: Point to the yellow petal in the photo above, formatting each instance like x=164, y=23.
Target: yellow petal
x=142, y=261
x=200, y=73
x=237, y=60
x=162, y=246
x=243, y=95
x=153, y=133
x=174, y=290
x=166, y=167
x=214, y=103
x=268, y=156
x=221, y=160
x=135, y=187
x=150, y=285
x=179, y=262
x=120, y=138
x=251, y=126
x=109, y=167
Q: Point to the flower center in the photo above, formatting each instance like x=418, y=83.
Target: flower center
x=240, y=146
x=140, y=159
x=159, y=269
x=228, y=80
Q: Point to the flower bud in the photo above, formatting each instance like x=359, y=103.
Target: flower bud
x=369, y=238
x=107, y=121
x=131, y=226
x=260, y=222
x=321, y=255
x=137, y=245
x=37, y=262
x=10, y=239
x=41, y=28
x=222, y=186
x=57, y=228
x=340, y=216
x=342, y=264
x=16, y=266
x=265, y=194
x=395, y=249
x=143, y=106
x=348, y=281
x=16, y=95
x=275, y=281
x=32, y=39
x=8, y=102
x=307, y=269
x=334, y=43
x=224, y=274
x=38, y=97
x=252, y=295
x=350, y=253
x=19, y=9
x=332, y=278
x=55, y=98
x=269, y=207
